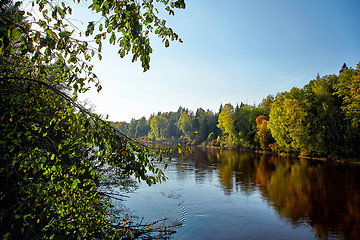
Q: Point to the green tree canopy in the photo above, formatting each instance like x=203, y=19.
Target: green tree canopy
x=158, y=125
x=226, y=124
x=348, y=88
x=286, y=117
x=184, y=124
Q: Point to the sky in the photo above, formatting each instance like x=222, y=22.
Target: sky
x=233, y=51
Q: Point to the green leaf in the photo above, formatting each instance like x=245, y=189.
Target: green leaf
x=74, y=184
x=167, y=43
x=122, y=53
x=15, y=33
x=64, y=34
x=48, y=51
x=6, y=236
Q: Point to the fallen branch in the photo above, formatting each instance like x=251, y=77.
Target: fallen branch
x=145, y=229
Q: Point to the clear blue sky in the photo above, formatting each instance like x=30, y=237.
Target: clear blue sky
x=234, y=51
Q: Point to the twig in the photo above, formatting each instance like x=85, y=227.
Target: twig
x=110, y=195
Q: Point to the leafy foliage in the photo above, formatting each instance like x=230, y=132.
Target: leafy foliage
x=286, y=118
x=226, y=123
x=184, y=124
x=319, y=120
x=348, y=88
x=53, y=151
x=263, y=134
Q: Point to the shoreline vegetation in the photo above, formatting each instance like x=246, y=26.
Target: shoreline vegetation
x=55, y=153
x=319, y=121
x=170, y=143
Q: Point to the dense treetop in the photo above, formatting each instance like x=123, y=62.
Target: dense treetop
x=319, y=120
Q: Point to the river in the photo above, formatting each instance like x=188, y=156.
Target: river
x=223, y=194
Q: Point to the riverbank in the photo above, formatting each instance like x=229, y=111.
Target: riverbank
x=184, y=143
x=353, y=161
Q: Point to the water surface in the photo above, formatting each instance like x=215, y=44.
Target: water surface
x=223, y=194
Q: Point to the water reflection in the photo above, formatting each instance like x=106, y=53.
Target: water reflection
x=325, y=196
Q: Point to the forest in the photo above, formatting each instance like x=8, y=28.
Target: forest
x=55, y=154
x=322, y=119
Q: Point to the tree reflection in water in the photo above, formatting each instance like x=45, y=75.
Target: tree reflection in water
x=324, y=195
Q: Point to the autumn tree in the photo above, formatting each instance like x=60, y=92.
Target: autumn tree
x=263, y=134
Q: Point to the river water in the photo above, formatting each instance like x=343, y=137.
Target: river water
x=223, y=194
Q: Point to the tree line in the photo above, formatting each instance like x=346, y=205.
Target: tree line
x=321, y=119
